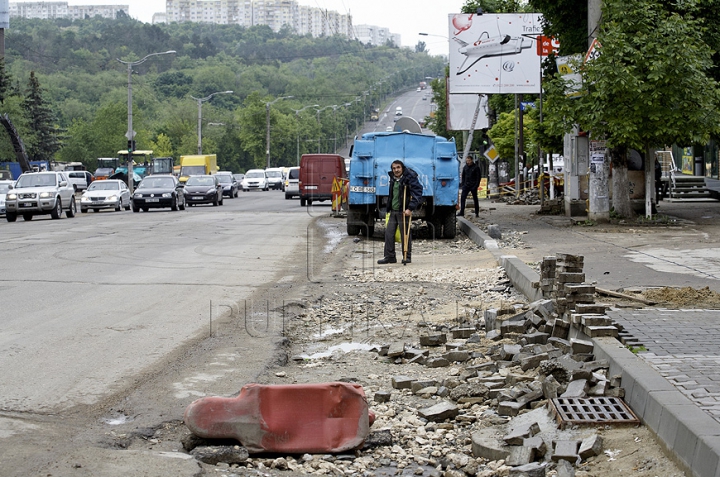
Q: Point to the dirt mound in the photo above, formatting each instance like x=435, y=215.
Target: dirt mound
x=686, y=297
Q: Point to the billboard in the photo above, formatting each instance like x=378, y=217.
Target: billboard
x=461, y=109
x=495, y=53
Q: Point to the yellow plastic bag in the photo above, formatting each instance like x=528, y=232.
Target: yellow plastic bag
x=397, y=230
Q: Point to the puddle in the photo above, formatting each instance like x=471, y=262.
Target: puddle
x=117, y=420
x=341, y=348
x=334, y=236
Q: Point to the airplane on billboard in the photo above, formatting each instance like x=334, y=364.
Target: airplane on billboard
x=486, y=47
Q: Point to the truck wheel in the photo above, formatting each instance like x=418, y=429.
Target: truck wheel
x=11, y=217
x=57, y=211
x=449, y=226
x=353, y=229
x=73, y=208
x=27, y=217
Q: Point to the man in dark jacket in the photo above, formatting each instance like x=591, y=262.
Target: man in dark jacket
x=404, y=196
x=470, y=183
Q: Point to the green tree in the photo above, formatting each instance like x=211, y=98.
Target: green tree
x=44, y=140
x=649, y=87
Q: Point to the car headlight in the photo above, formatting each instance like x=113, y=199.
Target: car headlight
x=45, y=195
x=84, y=199
x=137, y=195
x=11, y=196
x=112, y=198
x=167, y=194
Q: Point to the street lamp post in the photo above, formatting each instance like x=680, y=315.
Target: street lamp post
x=130, y=133
x=200, y=101
x=267, y=115
x=297, y=126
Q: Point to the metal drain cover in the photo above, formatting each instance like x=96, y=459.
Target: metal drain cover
x=592, y=410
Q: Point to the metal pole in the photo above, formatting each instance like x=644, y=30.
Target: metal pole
x=130, y=133
x=267, y=136
x=199, y=126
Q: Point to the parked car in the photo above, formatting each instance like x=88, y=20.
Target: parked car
x=159, y=191
x=228, y=183
x=105, y=194
x=80, y=179
x=291, y=183
x=255, y=179
x=205, y=189
x=274, y=177
x=5, y=186
x=40, y=193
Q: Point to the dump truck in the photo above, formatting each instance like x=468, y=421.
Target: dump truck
x=433, y=158
x=197, y=165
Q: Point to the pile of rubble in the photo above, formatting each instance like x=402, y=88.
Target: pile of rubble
x=487, y=396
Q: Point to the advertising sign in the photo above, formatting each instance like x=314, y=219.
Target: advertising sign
x=461, y=109
x=495, y=53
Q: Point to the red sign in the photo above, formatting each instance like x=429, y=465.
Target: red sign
x=546, y=45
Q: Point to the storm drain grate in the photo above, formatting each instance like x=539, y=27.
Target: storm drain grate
x=592, y=410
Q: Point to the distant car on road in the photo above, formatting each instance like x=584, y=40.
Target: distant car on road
x=291, y=183
x=228, y=183
x=205, y=189
x=5, y=186
x=255, y=179
x=274, y=177
x=80, y=179
x=159, y=191
x=106, y=194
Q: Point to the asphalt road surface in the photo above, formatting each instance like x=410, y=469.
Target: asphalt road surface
x=89, y=302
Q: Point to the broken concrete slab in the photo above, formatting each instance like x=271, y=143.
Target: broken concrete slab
x=520, y=455
x=439, y=412
x=487, y=445
x=591, y=446
x=402, y=382
x=534, y=469
x=566, y=450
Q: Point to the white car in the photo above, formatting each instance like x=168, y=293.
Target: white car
x=255, y=179
x=40, y=193
x=106, y=194
x=292, y=188
x=5, y=186
x=275, y=177
x=80, y=179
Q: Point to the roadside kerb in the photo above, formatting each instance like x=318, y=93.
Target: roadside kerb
x=686, y=431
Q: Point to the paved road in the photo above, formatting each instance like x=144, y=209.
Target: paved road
x=90, y=302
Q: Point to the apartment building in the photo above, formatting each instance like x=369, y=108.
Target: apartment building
x=48, y=10
x=375, y=35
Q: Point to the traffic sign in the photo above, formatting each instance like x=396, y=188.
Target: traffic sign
x=594, y=50
x=492, y=154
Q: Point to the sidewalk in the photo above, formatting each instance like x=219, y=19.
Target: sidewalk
x=674, y=386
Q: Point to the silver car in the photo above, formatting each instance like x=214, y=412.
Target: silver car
x=40, y=193
x=5, y=186
x=106, y=194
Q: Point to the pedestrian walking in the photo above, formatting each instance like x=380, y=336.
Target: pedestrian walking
x=469, y=183
x=404, y=196
x=658, y=181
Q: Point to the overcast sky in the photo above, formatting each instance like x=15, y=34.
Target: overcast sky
x=406, y=17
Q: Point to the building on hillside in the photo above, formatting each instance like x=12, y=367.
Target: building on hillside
x=302, y=19
x=50, y=10
x=375, y=35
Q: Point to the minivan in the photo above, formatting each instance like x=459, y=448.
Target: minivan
x=317, y=172
x=291, y=183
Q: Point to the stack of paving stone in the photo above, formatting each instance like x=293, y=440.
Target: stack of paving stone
x=562, y=279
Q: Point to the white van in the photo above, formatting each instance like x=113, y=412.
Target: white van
x=275, y=177
x=398, y=111
x=292, y=188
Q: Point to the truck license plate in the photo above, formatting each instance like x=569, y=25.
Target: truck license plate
x=311, y=187
x=369, y=190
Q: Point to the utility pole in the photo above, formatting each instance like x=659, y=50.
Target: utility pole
x=598, y=180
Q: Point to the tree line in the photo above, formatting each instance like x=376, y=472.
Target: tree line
x=69, y=71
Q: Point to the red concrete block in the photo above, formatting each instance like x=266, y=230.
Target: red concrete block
x=291, y=418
